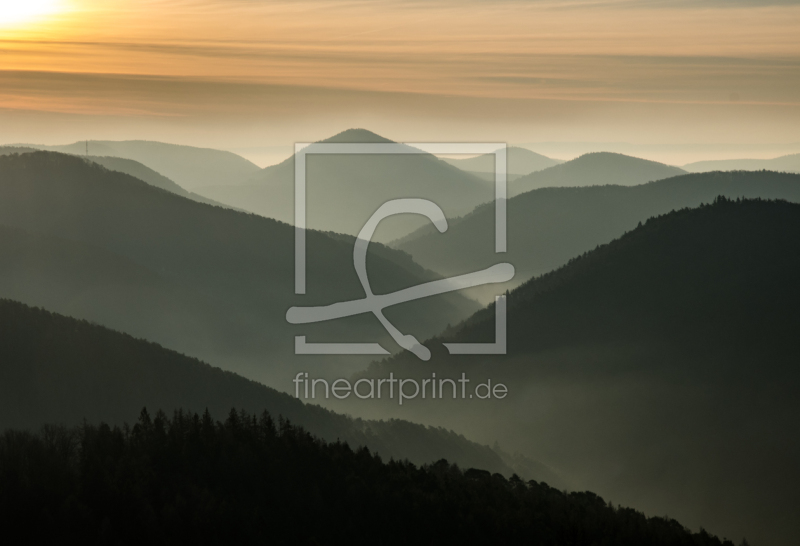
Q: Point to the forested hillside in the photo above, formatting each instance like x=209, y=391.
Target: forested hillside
x=234, y=272
x=146, y=174
x=550, y=226
x=59, y=370
x=247, y=480
x=660, y=369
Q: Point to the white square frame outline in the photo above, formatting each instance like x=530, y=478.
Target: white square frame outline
x=303, y=149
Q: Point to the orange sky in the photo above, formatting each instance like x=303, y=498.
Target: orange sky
x=237, y=73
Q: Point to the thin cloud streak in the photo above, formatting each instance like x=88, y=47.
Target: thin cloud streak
x=203, y=59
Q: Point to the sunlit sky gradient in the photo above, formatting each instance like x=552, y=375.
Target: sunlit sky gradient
x=677, y=78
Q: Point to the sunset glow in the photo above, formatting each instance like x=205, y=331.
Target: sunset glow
x=528, y=69
x=16, y=12
x=566, y=233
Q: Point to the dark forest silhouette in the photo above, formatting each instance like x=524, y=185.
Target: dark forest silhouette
x=660, y=369
x=191, y=480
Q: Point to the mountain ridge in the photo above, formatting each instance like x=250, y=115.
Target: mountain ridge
x=549, y=226
x=520, y=162
x=344, y=190
x=785, y=163
x=595, y=169
x=657, y=369
x=247, y=480
x=241, y=261
x=85, y=371
x=189, y=166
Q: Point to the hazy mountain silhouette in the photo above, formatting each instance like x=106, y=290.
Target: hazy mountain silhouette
x=131, y=167
x=786, y=163
x=94, y=284
x=519, y=161
x=595, y=169
x=188, y=166
x=146, y=174
x=7, y=150
x=86, y=282
x=659, y=370
x=548, y=227
x=256, y=480
x=55, y=369
x=235, y=261
x=343, y=191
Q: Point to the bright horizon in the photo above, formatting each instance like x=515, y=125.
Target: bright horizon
x=672, y=81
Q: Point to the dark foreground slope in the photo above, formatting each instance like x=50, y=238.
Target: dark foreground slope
x=189, y=480
x=550, y=226
x=227, y=259
x=661, y=370
x=60, y=370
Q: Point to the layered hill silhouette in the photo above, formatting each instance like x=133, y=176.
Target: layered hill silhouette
x=343, y=191
x=595, y=169
x=227, y=276
x=519, y=162
x=248, y=480
x=7, y=150
x=659, y=370
x=188, y=166
x=59, y=370
x=146, y=174
x=786, y=163
x=84, y=281
x=127, y=166
x=550, y=226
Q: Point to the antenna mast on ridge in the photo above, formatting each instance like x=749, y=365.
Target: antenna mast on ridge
x=87, y=147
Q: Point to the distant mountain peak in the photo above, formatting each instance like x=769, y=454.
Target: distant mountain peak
x=188, y=166
x=596, y=169
x=612, y=156
x=520, y=162
x=357, y=136
x=786, y=163
x=523, y=152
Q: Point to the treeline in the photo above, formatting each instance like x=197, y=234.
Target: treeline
x=191, y=480
x=55, y=369
x=689, y=276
